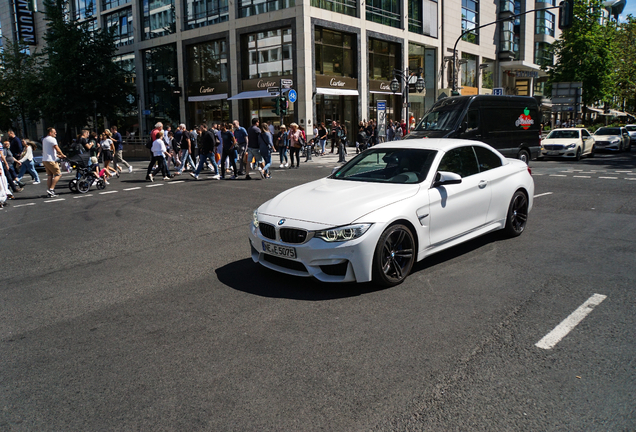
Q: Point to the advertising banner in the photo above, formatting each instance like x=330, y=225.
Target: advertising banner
x=25, y=20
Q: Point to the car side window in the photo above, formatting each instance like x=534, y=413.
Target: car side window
x=460, y=161
x=472, y=120
x=486, y=159
x=586, y=133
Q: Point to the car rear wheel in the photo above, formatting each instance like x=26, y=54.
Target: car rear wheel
x=524, y=156
x=517, y=215
x=394, y=256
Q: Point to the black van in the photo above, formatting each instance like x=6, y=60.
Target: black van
x=511, y=124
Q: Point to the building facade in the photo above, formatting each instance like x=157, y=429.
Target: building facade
x=197, y=61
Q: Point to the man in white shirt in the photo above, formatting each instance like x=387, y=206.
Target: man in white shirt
x=50, y=152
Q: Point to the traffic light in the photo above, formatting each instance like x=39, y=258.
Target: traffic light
x=566, y=14
x=283, y=105
x=277, y=105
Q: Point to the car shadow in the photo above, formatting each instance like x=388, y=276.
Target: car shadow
x=603, y=159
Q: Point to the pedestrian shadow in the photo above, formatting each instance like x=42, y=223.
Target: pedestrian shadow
x=247, y=276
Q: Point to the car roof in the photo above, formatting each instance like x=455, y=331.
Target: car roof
x=443, y=144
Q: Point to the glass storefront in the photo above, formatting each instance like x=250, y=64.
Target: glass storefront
x=424, y=58
x=129, y=121
x=161, y=81
x=469, y=74
x=383, y=58
x=209, y=112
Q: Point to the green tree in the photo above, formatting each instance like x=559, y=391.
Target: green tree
x=625, y=64
x=584, y=53
x=80, y=75
x=20, y=83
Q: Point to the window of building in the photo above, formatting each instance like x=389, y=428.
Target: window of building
x=83, y=9
x=542, y=54
x=255, y=7
x=122, y=21
x=334, y=53
x=268, y=54
x=109, y=4
x=507, y=36
x=415, y=17
x=383, y=58
x=507, y=6
x=160, y=80
x=470, y=20
x=200, y=13
x=159, y=18
x=387, y=12
x=544, y=23
x=539, y=87
x=207, y=63
x=347, y=7
x=517, y=31
x=128, y=120
x=469, y=70
x=487, y=74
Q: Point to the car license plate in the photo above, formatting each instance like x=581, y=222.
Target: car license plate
x=283, y=251
x=553, y=153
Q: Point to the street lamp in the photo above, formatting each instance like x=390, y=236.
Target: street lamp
x=403, y=78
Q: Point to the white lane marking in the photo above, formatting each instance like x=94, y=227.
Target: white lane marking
x=55, y=200
x=155, y=185
x=82, y=196
x=587, y=172
x=108, y=192
x=135, y=188
x=543, y=194
x=558, y=175
x=537, y=174
x=630, y=178
x=624, y=172
x=582, y=176
x=610, y=178
x=568, y=324
x=30, y=204
x=178, y=181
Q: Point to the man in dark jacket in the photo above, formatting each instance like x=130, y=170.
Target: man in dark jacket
x=206, y=151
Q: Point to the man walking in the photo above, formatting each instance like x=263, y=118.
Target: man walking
x=119, y=149
x=253, y=148
x=15, y=145
x=241, y=139
x=50, y=152
x=206, y=151
x=186, y=149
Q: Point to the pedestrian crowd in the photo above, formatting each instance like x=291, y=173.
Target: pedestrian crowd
x=16, y=160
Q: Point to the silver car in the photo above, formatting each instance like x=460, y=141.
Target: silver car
x=631, y=130
x=612, y=138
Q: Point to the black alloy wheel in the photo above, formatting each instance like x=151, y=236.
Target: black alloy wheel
x=394, y=256
x=517, y=215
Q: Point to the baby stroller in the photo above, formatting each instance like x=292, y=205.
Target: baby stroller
x=84, y=177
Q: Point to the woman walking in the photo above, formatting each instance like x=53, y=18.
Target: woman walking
x=229, y=146
x=106, y=146
x=26, y=162
x=265, y=144
x=159, y=153
x=282, y=141
x=295, y=144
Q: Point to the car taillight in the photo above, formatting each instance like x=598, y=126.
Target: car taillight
x=529, y=170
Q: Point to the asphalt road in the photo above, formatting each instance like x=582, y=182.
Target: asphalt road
x=140, y=309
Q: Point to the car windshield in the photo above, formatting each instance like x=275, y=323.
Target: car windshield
x=443, y=117
x=392, y=165
x=631, y=128
x=557, y=134
x=608, y=131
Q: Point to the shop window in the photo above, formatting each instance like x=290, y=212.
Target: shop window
x=383, y=58
x=470, y=20
x=523, y=87
x=469, y=70
x=487, y=75
x=159, y=18
x=347, y=7
x=200, y=13
x=334, y=53
x=387, y=12
x=122, y=21
x=255, y=7
x=268, y=54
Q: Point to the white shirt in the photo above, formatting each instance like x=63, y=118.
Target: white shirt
x=48, y=149
x=158, y=147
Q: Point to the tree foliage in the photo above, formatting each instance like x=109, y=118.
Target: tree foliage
x=625, y=76
x=80, y=76
x=584, y=53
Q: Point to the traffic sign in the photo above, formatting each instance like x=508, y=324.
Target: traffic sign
x=292, y=95
x=273, y=91
x=286, y=83
x=498, y=91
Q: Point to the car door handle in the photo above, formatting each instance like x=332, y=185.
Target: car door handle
x=483, y=184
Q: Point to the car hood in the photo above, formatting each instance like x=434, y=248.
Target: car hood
x=335, y=202
x=559, y=140
x=607, y=137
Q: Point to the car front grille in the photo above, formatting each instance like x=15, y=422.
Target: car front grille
x=293, y=235
x=267, y=230
x=553, y=147
x=601, y=143
x=285, y=263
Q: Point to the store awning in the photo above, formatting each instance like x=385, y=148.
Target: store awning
x=207, y=97
x=257, y=94
x=385, y=92
x=596, y=110
x=337, y=92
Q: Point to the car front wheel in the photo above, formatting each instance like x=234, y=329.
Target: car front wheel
x=394, y=256
x=517, y=215
x=524, y=156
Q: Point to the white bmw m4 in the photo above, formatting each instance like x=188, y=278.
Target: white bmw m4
x=390, y=206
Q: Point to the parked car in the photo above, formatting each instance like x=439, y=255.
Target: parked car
x=392, y=205
x=568, y=143
x=612, y=138
x=510, y=124
x=631, y=130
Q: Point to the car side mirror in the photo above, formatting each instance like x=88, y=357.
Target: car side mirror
x=443, y=178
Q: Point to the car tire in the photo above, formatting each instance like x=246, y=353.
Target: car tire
x=592, y=153
x=517, y=216
x=394, y=256
x=524, y=156
x=578, y=154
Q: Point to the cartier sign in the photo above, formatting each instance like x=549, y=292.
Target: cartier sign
x=198, y=89
x=380, y=86
x=26, y=22
x=336, y=82
x=261, y=83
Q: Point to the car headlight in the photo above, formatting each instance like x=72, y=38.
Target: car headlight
x=615, y=141
x=345, y=233
x=571, y=146
x=255, y=219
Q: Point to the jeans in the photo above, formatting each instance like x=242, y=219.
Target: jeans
x=267, y=158
x=203, y=157
x=283, y=155
x=185, y=159
x=323, y=143
x=27, y=166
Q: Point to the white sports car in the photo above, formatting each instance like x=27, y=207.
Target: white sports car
x=390, y=206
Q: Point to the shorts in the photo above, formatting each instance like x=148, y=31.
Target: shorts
x=107, y=155
x=255, y=153
x=52, y=168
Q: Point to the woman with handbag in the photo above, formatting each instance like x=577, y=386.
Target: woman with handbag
x=295, y=144
x=283, y=145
